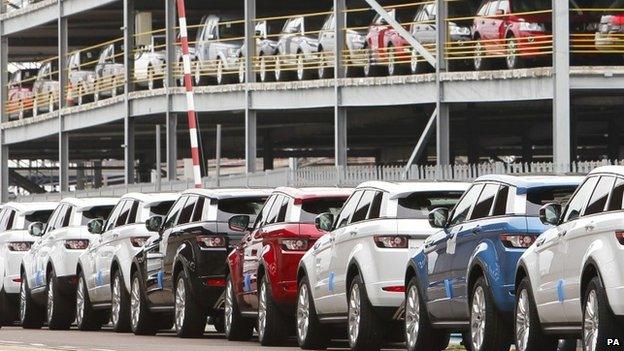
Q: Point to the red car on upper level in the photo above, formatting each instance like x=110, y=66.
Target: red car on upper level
x=384, y=46
x=262, y=280
x=511, y=29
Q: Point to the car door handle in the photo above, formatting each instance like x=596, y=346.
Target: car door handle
x=353, y=233
x=590, y=227
x=115, y=236
x=332, y=239
x=476, y=230
x=562, y=233
x=540, y=242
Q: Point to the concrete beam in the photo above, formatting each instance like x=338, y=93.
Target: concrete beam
x=561, y=98
x=4, y=149
x=251, y=120
x=443, y=148
x=63, y=138
x=129, y=154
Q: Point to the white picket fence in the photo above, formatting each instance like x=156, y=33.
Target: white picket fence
x=340, y=176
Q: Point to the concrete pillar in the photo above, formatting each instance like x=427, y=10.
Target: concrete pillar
x=62, y=78
x=443, y=125
x=80, y=175
x=561, y=102
x=267, y=150
x=340, y=113
x=472, y=139
x=97, y=174
x=613, y=142
x=527, y=146
x=171, y=118
x=251, y=120
x=129, y=24
x=172, y=146
x=63, y=161
x=4, y=150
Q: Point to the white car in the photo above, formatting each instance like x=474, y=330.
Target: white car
x=104, y=269
x=354, y=275
x=48, y=270
x=15, y=241
x=570, y=282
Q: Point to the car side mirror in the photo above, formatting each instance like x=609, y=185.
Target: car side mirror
x=324, y=221
x=35, y=229
x=438, y=217
x=500, y=12
x=154, y=223
x=95, y=226
x=550, y=214
x=239, y=223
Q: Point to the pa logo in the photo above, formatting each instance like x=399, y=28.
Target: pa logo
x=613, y=342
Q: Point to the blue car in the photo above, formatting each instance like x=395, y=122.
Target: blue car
x=462, y=278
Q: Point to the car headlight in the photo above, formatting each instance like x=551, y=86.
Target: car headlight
x=211, y=241
x=456, y=30
x=80, y=244
x=19, y=245
x=532, y=27
x=232, y=52
x=294, y=244
x=138, y=241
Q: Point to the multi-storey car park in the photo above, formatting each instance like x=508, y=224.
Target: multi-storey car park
x=562, y=105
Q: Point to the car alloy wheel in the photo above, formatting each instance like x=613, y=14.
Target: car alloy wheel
x=220, y=72
x=278, y=69
x=50, y=302
x=116, y=301
x=300, y=66
x=512, y=53
x=150, y=78
x=391, y=60
x=303, y=312
x=354, y=313
x=322, y=65
x=80, y=301
x=51, y=103
x=477, y=319
x=368, y=64
x=591, y=322
x=135, y=303
x=22, y=301
x=180, y=305
x=414, y=62
x=241, y=70
x=478, y=56
x=114, y=87
x=523, y=321
x=228, y=308
x=263, y=69
x=412, y=317
x=262, y=310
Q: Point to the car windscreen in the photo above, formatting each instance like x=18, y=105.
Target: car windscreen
x=37, y=216
x=531, y=5
x=313, y=207
x=229, y=30
x=161, y=209
x=100, y=212
x=241, y=205
x=418, y=205
x=540, y=196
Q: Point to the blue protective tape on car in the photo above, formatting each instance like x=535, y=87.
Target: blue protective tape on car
x=448, y=288
x=330, y=285
x=560, y=292
x=160, y=277
x=247, y=283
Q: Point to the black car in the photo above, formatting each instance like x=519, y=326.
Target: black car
x=180, y=277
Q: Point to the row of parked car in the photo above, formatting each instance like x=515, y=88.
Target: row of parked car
x=514, y=31
x=523, y=260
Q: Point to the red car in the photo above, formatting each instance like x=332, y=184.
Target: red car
x=20, y=94
x=510, y=29
x=385, y=47
x=262, y=280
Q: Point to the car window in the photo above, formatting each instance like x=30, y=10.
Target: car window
x=161, y=209
x=375, y=207
x=347, y=210
x=598, y=200
x=540, y=196
x=199, y=209
x=329, y=22
x=132, y=217
x=96, y=212
x=500, y=204
x=281, y=215
x=313, y=207
x=617, y=194
x=251, y=206
x=491, y=11
x=173, y=214
x=66, y=217
x=123, y=214
x=277, y=204
x=578, y=201
x=38, y=216
x=112, y=219
x=483, y=10
x=504, y=6
x=418, y=204
x=264, y=212
x=187, y=211
x=361, y=210
x=51, y=222
x=486, y=200
x=7, y=220
x=461, y=211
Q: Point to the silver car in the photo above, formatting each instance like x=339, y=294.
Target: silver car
x=297, y=49
x=217, y=46
x=81, y=79
x=46, y=88
x=109, y=72
x=355, y=40
x=265, y=51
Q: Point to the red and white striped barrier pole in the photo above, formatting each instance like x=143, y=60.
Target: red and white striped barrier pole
x=190, y=97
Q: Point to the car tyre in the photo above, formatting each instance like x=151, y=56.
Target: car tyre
x=488, y=331
x=480, y=60
x=513, y=60
x=60, y=311
x=141, y=319
x=370, y=69
x=273, y=326
x=120, y=304
x=190, y=320
x=87, y=319
x=325, y=70
x=263, y=75
x=528, y=333
x=364, y=326
x=419, y=333
x=31, y=315
x=599, y=323
x=237, y=327
x=311, y=334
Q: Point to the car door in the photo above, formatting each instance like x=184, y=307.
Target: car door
x=440, y=249
x=323, y=252
x=549, y=290
x=47, y=244
x=30, y=263
x=592, y=225
x=326, y=35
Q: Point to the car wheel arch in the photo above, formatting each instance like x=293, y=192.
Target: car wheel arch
x=474, y=273
x=521, y=273
x=353, y=270
x=115, y=267
x=590, y=270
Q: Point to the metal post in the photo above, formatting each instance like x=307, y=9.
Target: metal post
x=443, y=124
x=251, y=120
x=97, y=174
x=218, y=156
x=62, y=78
x=340, y=113
x=128, y=13
x=561, y=96
x=170, y=25
x=172, y=147
x=80, y=175
x=158, y=160
x=421, y=145
x=4, y=149
x=171, y=118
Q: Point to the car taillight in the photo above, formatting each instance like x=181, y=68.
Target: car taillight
x=518, y=241
x=220, y=282
x=391, y=241
x=294, y=244
x=19, y=246
x=396, y=289
x=211, y=241
x=138, y=241
x=78, y=244
x=620, y=237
